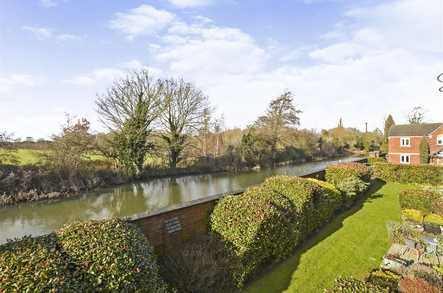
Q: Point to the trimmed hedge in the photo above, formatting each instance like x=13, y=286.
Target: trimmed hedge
x=351, y=285
x=256, y=227
x=267, y=222
x=99, y=256
x=372, y=161
x=38, y=265
x=351, y=179
x=419, y=174
x=426, y=201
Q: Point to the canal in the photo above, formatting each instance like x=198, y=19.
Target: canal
x=126, y=200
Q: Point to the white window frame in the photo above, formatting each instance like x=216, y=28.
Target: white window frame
x=403, y=141
x=405, y=159
x=440, y=139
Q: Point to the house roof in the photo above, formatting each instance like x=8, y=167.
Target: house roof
x=414, y=129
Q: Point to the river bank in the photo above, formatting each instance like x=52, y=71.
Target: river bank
x=36, y=218
x=19, y=184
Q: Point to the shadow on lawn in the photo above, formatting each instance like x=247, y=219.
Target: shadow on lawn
x=283, y=280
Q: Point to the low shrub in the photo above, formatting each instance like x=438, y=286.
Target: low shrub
x=433, y=219
x=416, y=285
x=419, y=174
x=433, y=278
x=256, y=227
x=412, y=215
x=201, y=265
x=384, y=279
x=419, y=199
x=351, y=285
x=96, y=256
x=400, y=232
x=372, y=161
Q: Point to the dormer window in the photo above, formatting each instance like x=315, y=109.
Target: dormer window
x=405, y=141
x=440, y=139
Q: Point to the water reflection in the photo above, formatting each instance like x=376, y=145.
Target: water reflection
x=127, y=200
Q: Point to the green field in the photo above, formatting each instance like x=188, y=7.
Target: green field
x=23, y=156
x=351, y=245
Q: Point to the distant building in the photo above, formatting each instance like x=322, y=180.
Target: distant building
x=404, y=143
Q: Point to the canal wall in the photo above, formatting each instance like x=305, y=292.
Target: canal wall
x=168, y=227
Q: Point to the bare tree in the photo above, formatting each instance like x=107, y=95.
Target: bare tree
x=7, y=148
x=184, y=109
x=281, y=114
x=129, y=109
x=416, y=116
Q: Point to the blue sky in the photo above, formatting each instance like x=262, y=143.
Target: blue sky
x=359, y=60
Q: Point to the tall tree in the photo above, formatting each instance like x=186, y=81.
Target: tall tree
x=184, y=110
x=389, y=122
x=416, y=116
x=281, y=114
x=424, y=151
x=129, y=109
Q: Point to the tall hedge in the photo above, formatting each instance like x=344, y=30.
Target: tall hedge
x=351, y=179
x=313, y=204
x=267, y=222
x=256, y=227
x=97, y=256
x=420, y=174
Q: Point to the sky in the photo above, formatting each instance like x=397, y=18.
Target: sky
x=359, y=60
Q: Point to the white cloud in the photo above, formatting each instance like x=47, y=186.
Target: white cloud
x=190, y=3
x=44, y=33
x=143, y=20
x=40, y=33
x=102, y=77
x=14, y=81
x=370, y=66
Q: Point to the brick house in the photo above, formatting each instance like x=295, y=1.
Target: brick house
x=404, y=143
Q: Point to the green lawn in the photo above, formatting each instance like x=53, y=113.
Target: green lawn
x=352, y=244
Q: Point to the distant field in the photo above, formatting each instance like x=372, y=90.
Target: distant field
x=24, y=156
x=35, y=157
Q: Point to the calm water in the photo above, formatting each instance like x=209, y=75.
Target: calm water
x=127, y=200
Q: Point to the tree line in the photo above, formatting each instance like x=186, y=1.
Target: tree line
x=156, y=121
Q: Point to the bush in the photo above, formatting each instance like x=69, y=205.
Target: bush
x=94, y=256
x=256, y=227
x=38, y=265
x=384, y=279
x=412, y=215
x=433, y=219
x=351, y=285
x=416, y=285
x=420, y=174
x=202, y=265
x=399, y=232
x=351, y=179
x=313, y=203
x=114, y=254
x=418, y=199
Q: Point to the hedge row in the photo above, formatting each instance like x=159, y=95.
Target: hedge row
x=96, y=256
x=351, y=285
x=267, y=222
x=351, y=179
x=425, y=201
x=417, y=174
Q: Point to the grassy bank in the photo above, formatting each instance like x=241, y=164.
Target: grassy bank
x=352, y=244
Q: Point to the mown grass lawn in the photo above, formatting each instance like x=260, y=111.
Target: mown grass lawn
x=351, y=245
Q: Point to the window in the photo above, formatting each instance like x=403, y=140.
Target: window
x=405, y=141
x=440, y=139
x=405, y=159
